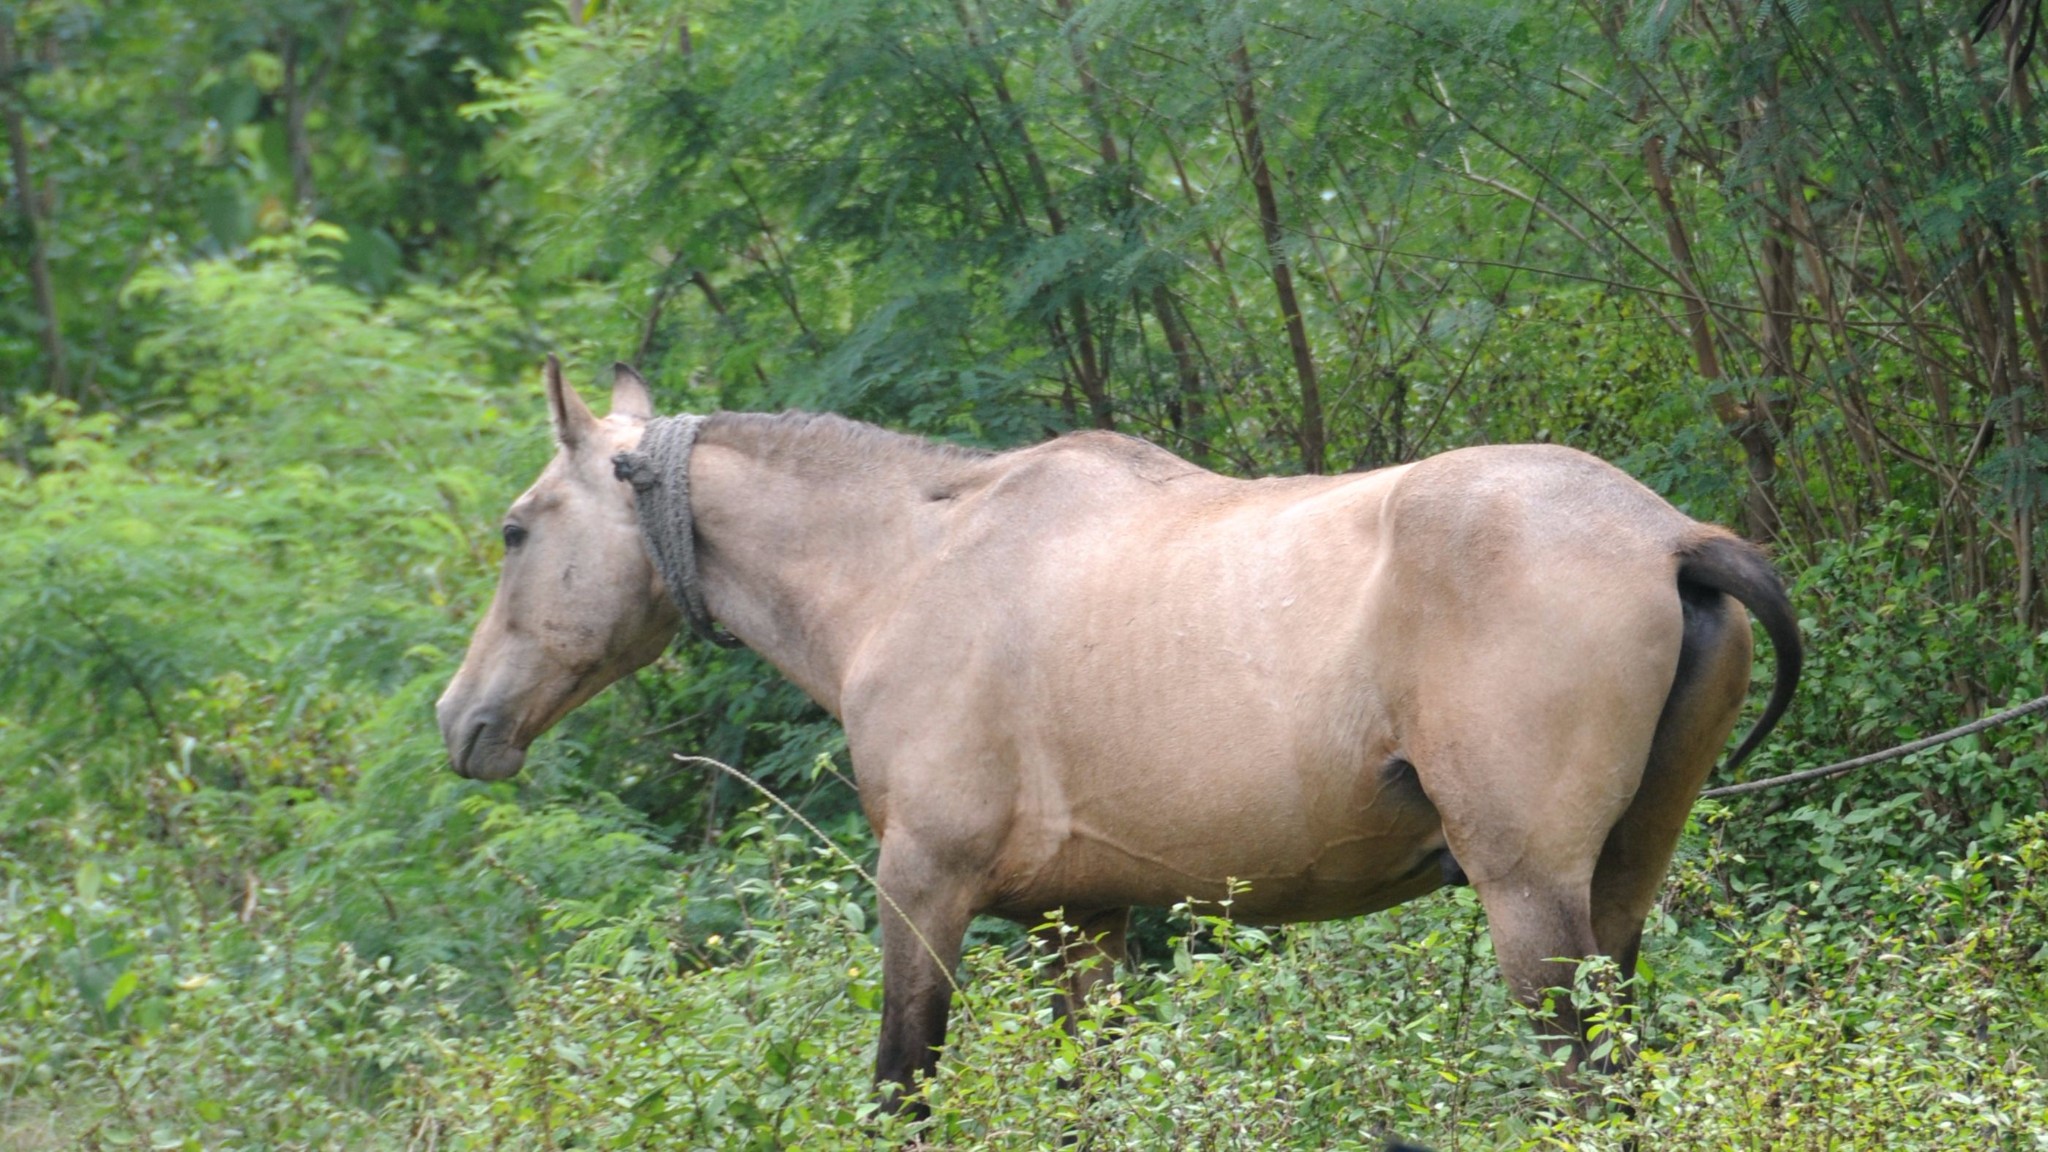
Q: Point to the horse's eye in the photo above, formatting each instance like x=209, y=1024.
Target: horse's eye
x=514, y=535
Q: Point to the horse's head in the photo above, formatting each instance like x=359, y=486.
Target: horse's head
x=579, y=603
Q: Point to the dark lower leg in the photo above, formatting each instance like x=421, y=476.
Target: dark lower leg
x=913, y=1032
x=922, y=929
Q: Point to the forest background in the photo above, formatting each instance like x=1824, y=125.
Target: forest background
x=278, y=275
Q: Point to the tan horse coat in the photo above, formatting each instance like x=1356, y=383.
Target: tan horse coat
x=1087, y=674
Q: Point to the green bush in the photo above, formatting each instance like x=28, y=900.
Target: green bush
x=1923, y=1029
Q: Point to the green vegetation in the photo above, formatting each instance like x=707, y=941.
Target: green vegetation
x=277, y=276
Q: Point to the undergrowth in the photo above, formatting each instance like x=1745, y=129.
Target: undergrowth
x=1919, y=1028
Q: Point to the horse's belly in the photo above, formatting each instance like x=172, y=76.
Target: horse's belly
x=1278, y=851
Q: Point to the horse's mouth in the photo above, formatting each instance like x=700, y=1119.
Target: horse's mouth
x=485, y=753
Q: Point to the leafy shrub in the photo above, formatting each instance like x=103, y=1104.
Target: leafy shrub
x=1922, y=1030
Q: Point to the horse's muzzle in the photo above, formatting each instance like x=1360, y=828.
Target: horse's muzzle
x=480, y=742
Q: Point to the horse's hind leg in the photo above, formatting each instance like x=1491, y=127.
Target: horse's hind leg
x=1706, y=697
x=1530, y=778
x=1531, y=862
x=1087, y=948
x=1539, y=933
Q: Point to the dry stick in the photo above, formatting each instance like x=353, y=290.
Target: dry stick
x=1105, y=146
x=1215, y=247
x=1776, y=281
x=1687, y=279
x=1990, y=346
x=842, y=853
x=127, y=667
x=1592, y=213
x=1850, y=394
x=1015, y=204
x=1920, y=353
x=1921, y=356
x=1779, y=285
x=1873, y=329
x=1090, y=91
x=1244, y=461
x=1582, y=277
x=298, y=93
x=1002, y=170
x=1348, y=318
x=1727, y=329
x=2005, y=385
x=2015, y=441
x=298, y=144
x=785, y=282
x=1472, y=357
x=1926, y=351
x=1558, y=218
x=2013, y=289
x=1194, y=412
x=717, y=304
x=1921, y=745
x=1381, y=267
x=2021, y=89
x=650, y=325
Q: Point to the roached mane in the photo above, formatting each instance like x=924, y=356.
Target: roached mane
x=826, y=438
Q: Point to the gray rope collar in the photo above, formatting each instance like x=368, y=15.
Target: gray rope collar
x=660, y=475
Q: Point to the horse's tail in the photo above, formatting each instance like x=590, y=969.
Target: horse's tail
x=1719, y=561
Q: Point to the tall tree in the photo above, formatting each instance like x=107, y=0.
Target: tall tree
x=27, y=202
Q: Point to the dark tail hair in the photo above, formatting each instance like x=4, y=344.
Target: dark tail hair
x=1725, y=563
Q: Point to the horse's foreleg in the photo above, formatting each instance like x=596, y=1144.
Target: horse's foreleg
x=924, y=918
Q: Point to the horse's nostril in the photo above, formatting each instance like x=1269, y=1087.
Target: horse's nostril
x=463, y=755
x=481, y=747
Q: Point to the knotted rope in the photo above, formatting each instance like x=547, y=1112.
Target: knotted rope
x=660, y=475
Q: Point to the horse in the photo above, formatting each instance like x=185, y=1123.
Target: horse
x=1086, y=674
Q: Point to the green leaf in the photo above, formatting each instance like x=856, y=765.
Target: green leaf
x=123, y=986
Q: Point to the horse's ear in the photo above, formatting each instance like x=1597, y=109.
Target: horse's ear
x=630, y=396
x=566, y=410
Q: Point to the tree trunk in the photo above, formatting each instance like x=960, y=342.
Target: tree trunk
x=1311, y=436
x=1194, y=412
x=717, y=303
x=298, y=144
x=1741, y=420
x=26, y=201
x=1088, y=365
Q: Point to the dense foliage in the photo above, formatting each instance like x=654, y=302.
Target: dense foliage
x=277, y=277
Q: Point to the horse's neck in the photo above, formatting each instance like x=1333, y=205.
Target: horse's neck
x=800, y=552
